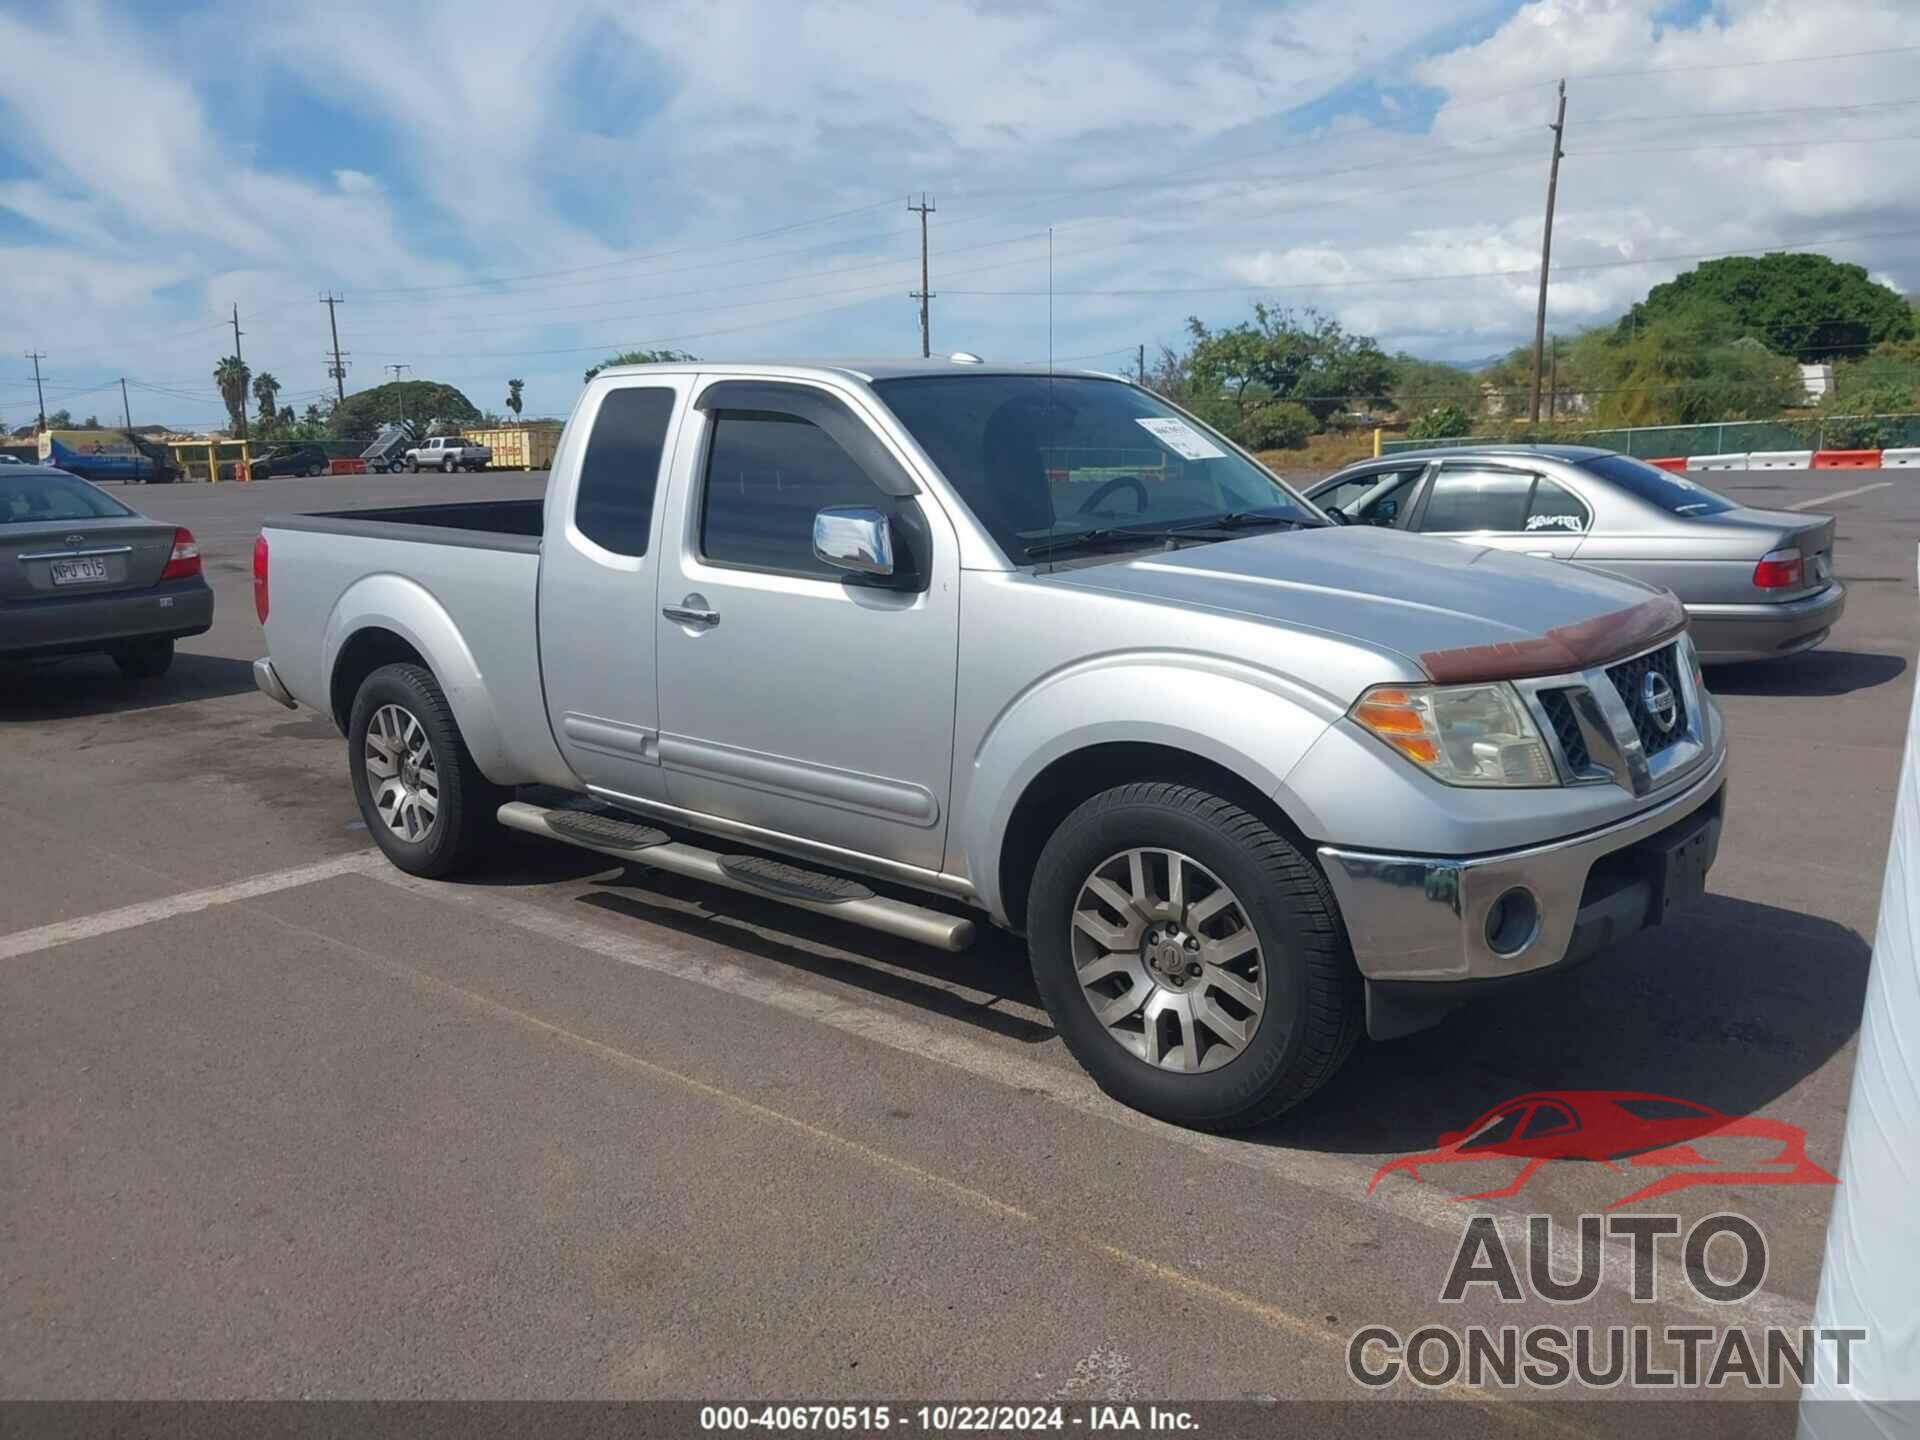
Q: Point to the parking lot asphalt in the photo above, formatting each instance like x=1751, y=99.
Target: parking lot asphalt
x=283, y=1122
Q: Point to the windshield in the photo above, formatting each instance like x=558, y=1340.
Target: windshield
x=1675, y=494
x=1039, y=459
x=27, y=499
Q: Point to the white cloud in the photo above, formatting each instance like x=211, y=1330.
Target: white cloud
x=614, y=153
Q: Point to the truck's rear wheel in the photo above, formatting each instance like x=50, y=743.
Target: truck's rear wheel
x=424, y=801
x=1191, y=957
x=448, y=466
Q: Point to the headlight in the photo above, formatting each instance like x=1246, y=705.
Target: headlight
x=1459, y=734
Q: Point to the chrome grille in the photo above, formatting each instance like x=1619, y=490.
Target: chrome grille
x=1630, y=679
x=1558, y=705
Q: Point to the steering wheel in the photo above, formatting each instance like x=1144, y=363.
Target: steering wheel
x=1119, y=482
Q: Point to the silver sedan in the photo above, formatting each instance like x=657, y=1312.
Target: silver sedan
x=1757, y=584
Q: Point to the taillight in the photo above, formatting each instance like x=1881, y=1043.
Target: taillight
x=260, y=577
x=185, y=559
x=1780, y=570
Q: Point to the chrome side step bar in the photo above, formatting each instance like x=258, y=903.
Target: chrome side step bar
x=789, y=884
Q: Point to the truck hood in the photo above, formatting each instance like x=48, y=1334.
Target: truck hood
x=1389, y=591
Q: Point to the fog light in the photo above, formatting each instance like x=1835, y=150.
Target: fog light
x=1512, y=922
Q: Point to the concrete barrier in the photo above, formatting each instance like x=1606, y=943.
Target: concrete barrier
x=1900, y=459
x=1846, y=459
x=1717, y=462
x=1780, y=460
x=1671, y=462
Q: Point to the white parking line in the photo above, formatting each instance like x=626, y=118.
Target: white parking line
x=1346, y=1179
x=128, y=917
x=1841, y=495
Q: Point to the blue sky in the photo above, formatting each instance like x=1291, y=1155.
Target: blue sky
x=500, y=192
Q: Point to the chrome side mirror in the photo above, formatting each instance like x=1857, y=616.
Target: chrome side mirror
x=855, y=538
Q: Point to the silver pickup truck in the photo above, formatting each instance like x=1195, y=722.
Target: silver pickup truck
x=908, y=643
x=448, y=453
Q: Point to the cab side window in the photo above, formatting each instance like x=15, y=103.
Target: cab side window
x=1465, y=499
x=613, y=506
x=767, y=475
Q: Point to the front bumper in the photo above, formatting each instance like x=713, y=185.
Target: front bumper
x=1762, y=632
x=1424, y=919
x=74, y=624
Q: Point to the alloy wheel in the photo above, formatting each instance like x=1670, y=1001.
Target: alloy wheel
x=1168, y=959
x=401, y=774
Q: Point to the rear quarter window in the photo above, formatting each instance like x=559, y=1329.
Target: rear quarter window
x=1673, y=493
x=613, y=505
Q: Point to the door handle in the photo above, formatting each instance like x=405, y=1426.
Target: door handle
x=1542, y=555
x=692, y=611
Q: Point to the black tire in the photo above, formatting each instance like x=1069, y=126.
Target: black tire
x=1314, y=1004
x=315, y=470
x=413, y=465
x=144, y=659
x=463, y=825
x=447, y=467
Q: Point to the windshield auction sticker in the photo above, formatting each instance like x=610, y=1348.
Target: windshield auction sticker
x=1182, y=439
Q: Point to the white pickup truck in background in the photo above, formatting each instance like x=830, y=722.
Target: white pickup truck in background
x=449, y=453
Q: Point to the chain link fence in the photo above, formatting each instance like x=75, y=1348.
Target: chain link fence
x=1733, y=437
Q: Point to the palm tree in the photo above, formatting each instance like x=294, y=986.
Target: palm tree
x=266, y=394
x=514, y=387
x=231, y=375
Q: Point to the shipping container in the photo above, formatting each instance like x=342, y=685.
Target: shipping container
x=518, y=447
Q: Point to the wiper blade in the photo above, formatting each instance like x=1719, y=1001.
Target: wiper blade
x=1247, y=520
x=1091, y=539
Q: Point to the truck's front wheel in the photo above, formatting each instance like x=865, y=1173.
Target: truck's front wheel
x=424, y=801
x=1191, y=957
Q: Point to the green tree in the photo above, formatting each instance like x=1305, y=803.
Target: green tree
x=266, y=396
x=1416, y=386
x=1668, y=376
x=360, y=416
x=638, y=357
x=1308, y=358
x=514, y=387
x=1441, y=422
x=232, y=375
x=60, y=420
x=1798, y=304
x=1276, y=425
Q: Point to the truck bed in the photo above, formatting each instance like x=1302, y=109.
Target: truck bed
x=481, y=524
x=458, y=582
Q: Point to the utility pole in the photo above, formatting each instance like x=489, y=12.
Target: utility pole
x=238, y=361
x=1142, y=363
x=1546, y=254
x=37, y=356
x=126, y=410
x=1553, y=374
x=338, y=369
x=923, y=294
x=402, y=395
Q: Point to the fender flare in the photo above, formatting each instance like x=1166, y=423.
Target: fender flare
x=1249, y=722
x=408, y=609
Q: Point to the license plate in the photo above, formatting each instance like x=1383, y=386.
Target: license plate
x=78, y=572
x=1685, y=862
